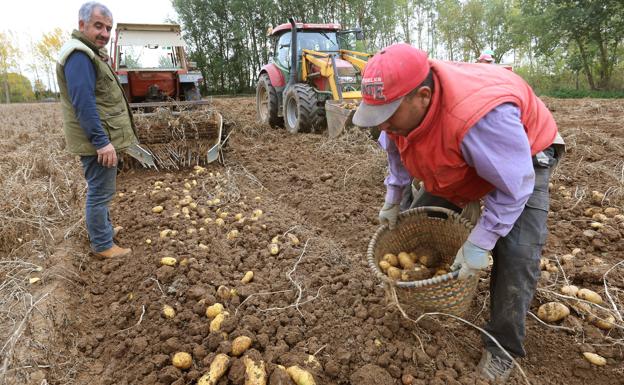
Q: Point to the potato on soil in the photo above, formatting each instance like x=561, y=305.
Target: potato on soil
x=611, y=211
x=300, y=376
x=240, y=345
x=215, y=324
x=157, y=209
x=217, y=369
x=274, y=249
x=293, y=239
x=595, y=359
x=570, y=290
x=224, y=292
x=182, y=360
x=255, y=373
x=247, y=277
x=567, y=258
x=582, y=308
x=589, y=295
x=168, y=311
x=552, y=312
x=604, y=322
x=214, y=310
x=168, y=261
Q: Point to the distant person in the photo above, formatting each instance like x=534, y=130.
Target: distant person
x=470, y=133
x=486, y=58
x=97, y=119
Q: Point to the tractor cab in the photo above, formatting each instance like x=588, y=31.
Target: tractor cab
x=151, y=64
x=318, y=61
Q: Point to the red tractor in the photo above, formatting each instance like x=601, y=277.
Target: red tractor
x=152, y=66
x=312, y=79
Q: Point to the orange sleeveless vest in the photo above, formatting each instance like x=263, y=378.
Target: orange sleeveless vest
x=463, y=94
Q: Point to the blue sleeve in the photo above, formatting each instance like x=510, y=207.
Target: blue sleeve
x=80, y=77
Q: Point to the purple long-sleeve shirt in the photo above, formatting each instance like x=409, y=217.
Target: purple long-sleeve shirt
x=498, y=148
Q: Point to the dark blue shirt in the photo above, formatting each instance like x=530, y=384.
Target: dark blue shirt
x=80, y=76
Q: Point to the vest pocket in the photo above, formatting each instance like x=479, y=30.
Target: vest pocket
x=115, y=125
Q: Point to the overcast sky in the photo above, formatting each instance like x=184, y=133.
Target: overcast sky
x=29, y=19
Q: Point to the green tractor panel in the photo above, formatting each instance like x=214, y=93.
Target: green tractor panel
x=311, y=66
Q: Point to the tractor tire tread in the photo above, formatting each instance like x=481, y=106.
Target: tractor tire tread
x=311, y=116
x=272, y=119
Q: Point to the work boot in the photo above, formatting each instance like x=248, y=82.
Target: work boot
x=113, y=252
x=495, y=368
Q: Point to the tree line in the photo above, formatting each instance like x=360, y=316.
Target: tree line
x=574, y=44
x=554, y=44
x=15, y=87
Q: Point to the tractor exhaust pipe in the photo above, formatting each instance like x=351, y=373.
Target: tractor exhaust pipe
x=293, y=53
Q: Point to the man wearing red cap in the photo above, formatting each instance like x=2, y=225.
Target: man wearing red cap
x=470, y=132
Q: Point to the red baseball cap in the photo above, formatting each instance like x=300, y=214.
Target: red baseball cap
x=486, y=57
x=388, y=76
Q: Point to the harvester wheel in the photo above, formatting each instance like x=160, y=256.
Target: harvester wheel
x=267, y=103
x=301, y=109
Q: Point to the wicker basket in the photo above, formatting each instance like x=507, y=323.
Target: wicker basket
x=417, y=231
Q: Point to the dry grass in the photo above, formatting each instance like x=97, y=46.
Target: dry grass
x=41, y=194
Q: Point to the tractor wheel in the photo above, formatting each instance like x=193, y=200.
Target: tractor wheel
x=267, y=103
x=301, y=109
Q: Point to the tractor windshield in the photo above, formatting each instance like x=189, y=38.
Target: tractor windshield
x=151, y=56
x=318, y=40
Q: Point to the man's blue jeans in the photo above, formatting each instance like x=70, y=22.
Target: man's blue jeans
x=101, y=183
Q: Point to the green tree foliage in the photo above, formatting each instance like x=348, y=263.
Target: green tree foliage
x=46, y=51
x=589, y=30
x=577, y=43
x=21, y=88
x=9, y=54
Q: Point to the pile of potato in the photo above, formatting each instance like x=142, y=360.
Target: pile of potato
x=408, y=266
x=556, y=311
x=552, y=312
x=349, y=105
x=255, y=370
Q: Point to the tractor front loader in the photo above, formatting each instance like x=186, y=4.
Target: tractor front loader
x=312, y=81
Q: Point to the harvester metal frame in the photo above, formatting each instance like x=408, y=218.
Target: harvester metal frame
x=166, y=87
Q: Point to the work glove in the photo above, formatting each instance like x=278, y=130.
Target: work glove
x=469, y=260
x=389, y=214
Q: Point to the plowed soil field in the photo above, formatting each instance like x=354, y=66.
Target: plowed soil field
x=314, y=302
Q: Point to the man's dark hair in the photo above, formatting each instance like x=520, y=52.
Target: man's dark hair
x=428, y=82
